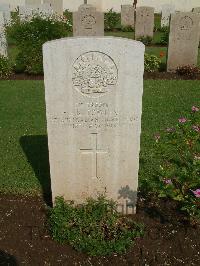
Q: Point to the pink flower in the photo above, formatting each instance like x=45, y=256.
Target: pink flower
x=196, y=128
x=182, y=120
x=195, y=109
x=167, y=181
x=196, y=193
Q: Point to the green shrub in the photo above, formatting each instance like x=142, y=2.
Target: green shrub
x=177, y=152
x=112, y=20
x=95, y=227
x=188, y=71
x=151, y=63
x=127, y=28
x=68, y=15
x=145, y=40
x=29, y=37
x=5, y=68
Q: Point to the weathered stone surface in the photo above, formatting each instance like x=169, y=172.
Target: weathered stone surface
x=167, y=10
x=5, y=8
x=196, y=10
x=93, y=89
x=26, y=12
x=88, y=22
x=45, y=10
x=183, y=40
x=57, y=6
x=3, y=41
x=33, y=2
x=127, y=15
x=144, y=22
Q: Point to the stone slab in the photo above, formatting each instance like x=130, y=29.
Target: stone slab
x=183, y=40
x=144, y=22
x=167, y=10
x=88, y=22
x=127, y=16
x=3, y=41
x=93, y=91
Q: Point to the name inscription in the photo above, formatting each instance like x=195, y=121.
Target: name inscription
x=93, y=116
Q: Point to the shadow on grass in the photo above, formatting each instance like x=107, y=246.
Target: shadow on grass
x=36, y=151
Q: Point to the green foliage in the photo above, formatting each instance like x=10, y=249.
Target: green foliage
x=151, y=63
x=127, y=28
x=29, y=37
x=68, y=16
x=145, y=40
x=95, y=228
x=188, y=71
x=5, y=68
x=112, y=20
x=177, y=152
x=165, y=36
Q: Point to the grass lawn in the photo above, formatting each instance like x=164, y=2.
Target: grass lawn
x=24, y=154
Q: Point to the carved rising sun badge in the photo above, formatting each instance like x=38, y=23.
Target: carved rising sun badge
x=94, y=73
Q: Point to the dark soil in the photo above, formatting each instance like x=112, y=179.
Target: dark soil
x=24, y=239
x=154, y=75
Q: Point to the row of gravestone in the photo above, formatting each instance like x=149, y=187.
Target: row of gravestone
x=93, y=93
x=183, y=38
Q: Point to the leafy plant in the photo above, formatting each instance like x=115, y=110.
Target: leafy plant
x=127, y=28
x=5, y=68
x=95, y=227
x=112, y=20
x=29, y=37
x=178, y=159
x=151, y=63
x=145, y=40
x=164, y=39
x=68, y=16
x=188, y=71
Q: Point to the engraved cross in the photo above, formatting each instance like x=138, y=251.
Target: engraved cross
x=95, y=151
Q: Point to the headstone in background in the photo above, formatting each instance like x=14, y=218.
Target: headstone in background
x=26, y=13
x=144, y=22
x=183, y=40
x=57, y=6
x=197, y=11
x=5, y=8
x=127, y=15
x=167, y=10
x=33, y=2
x=3, y=41
x=88, y=22
x=45, y=10
x=94, y=90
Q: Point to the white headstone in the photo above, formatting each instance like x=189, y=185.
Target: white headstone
x=3, y=41
x=57, y=5
x=144, y=24
x=197, y=11
x=167, y=10
x=26, y=12
x=33, y=2
x=5, y=8
x=183, y=40
x=127, y=15
x=87, y=21
x=45, y=9
x=94, y=88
